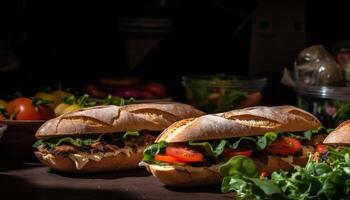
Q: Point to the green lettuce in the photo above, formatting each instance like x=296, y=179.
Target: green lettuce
x=208, y=149
x=129, y=134
x=154, y=149
x=53, y=143
x=328, y=179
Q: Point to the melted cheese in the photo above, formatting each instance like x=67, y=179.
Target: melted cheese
x=81, y=159
x=49, y=158
x=190, y=169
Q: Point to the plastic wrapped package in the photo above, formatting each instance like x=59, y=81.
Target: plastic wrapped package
x=315, y=66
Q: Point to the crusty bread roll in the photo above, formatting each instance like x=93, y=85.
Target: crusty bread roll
x=251, y=121
x=185, y=176
x=106, y=164
x=238, y=123
x=108, y=119
x=340, y=136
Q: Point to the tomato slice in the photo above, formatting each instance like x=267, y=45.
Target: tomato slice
x=228, y=152
x=184, y=154
x=321, y=148
x=165, y=158
x=284, y=146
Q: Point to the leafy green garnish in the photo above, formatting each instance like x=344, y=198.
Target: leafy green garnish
x=329, y=179
x=230, y=100
x=266, y=140
x=38, y=143
x=216, y=150
x=261, y=142
x=208, y=149
x=307, y=135
x=239, y=166
x=129, y=134
x=235, y=144
x=151, y=151
x=342, y=113
x=53, y=143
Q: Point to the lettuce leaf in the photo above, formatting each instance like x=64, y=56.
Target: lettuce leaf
x=307, y=135
x=208, y=149
x=129, y=134
x=266, y=140
x=329, y=179
x=152, y=150
x=53, y=143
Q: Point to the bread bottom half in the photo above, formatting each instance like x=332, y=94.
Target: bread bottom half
x=185, y=176
x=106, y=164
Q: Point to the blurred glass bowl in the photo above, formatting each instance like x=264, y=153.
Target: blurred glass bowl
x=214, y=94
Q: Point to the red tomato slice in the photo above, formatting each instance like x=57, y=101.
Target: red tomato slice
x=284, y=146
x=321, y=148
x=165, y=158
x=228, y=152
x=184, y=154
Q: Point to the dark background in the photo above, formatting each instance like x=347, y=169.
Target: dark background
x=75, y=42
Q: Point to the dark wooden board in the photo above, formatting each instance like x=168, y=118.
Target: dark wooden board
x=33, y=181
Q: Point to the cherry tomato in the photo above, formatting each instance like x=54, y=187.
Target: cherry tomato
x=284, y=146
x=3, y=103
x=321, y=148
x=263, y=174
x=228, y=152
x=156, y=88
x=12, y=105
x=24, y=109
x=55, y=99
x=165, y=158
x=184, y=154
x=253, y=99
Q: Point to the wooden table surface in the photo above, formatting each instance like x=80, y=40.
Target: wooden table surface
x=33, y=181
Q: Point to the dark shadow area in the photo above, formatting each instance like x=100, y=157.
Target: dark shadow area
x=84, y=194
x=16, y=188
x=9, y=165
x=108, y=175
x=204, y=189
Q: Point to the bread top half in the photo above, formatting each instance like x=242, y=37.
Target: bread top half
x=251, y=121
x=340, y=136
x=108, y=119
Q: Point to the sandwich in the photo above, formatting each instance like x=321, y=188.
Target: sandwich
x=105, y=138
x=340, y=136
x=190, y=151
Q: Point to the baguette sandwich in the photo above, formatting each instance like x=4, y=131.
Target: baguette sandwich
x=340, y=136
x=105, y=138
x=190, y=151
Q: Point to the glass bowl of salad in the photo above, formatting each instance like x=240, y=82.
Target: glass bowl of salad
x=329, y=104
x=221, y=93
